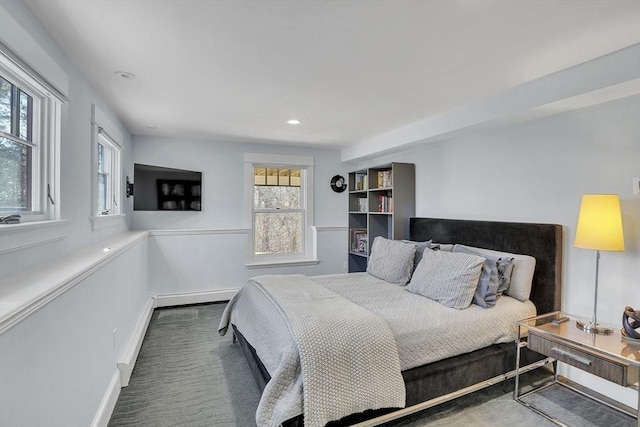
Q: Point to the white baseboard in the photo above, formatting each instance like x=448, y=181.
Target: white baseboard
x=194, y=297
x=108, y=403
x=129, y=354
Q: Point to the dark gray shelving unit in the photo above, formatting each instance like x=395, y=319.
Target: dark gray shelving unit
x=381, y=201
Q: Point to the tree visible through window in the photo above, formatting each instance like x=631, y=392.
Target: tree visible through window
x=16, y=148
x=108, y=169
x=278, y=211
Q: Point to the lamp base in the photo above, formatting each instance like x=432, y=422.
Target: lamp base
x=593, y=328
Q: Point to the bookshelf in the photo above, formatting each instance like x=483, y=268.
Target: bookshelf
x=381, y=201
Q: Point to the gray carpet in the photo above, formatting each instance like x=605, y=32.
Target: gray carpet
x=187, y=375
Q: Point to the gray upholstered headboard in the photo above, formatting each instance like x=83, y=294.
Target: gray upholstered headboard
x=541, y=241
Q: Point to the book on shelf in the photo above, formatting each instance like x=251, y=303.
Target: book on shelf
x=384, y=179
x=362, y=204
x=359, y=242
x=385, y=203
x=361, y=181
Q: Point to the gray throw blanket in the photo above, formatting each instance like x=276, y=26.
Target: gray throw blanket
x=348, y=357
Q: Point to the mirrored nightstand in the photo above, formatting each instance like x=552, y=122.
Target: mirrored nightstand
x=606, y=356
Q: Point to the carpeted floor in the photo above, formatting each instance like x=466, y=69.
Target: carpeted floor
x=188, y=375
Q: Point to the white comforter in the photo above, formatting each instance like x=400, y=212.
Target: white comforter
x=347, y=355
x=424, y=331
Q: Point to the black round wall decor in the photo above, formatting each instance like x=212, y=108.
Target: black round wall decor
x=338, y=184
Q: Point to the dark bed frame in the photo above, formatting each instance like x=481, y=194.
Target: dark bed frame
x=447, y=379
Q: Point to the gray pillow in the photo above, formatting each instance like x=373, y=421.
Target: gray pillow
x=420, y=247
x=521, y=276
x=391, y=260
x=486, y=293
x=505, y=268
x=447, y=277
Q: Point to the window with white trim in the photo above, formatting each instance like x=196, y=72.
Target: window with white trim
x=106, y=172
x=108, y=176
x=30, y=117
x=278, y=211
x=281, y=209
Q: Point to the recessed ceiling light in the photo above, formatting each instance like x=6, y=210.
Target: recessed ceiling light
x=151, y=127
x=125, y=74
x=293, y=122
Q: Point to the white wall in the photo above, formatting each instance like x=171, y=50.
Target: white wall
x=211, y=262
x=56, y=364
x=537, y=172
x=221, y=164
x=75, y=176
x=206, y=261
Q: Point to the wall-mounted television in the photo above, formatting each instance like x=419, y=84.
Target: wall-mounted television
x=158, y=188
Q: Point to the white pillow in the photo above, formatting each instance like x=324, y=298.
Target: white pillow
x=391, y=260
x=447, y=277
x=521, y=275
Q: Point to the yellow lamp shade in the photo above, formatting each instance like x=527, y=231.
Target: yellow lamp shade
x=600, y=223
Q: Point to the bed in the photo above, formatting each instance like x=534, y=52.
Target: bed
x=425, y=381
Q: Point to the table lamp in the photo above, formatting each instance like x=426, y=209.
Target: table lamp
x=600, y=228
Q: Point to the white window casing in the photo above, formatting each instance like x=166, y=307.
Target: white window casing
x=104, y=133
x=307, y=255
x=42, y=223
x=45, y=142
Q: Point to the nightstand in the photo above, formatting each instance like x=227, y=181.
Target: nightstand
x=606, y=356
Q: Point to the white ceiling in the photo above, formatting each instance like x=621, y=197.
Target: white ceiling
x=349, y=70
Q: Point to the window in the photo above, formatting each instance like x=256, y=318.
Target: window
x=108, y=176
x=106, y=204
x=281, y=209
x=29, y=139
x=16, y=148
x=278, y=211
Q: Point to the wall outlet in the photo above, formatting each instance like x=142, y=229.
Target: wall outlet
x=636, y=185
x=344, y=266
x=115, y=338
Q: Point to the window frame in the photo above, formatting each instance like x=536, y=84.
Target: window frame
x=105, y=133
x=45, y=142
x=307, y=255
x=112, y=172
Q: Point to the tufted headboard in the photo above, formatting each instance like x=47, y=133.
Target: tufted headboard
x=541, y=241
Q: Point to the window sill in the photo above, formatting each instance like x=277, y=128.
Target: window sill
x=292, y=263
x=15, y=237
x=104, y=221
x=25, y=293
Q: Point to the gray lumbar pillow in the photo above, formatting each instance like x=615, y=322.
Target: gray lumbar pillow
x=447, y=277
x=487, y=290
x=519, y=276
x=420, y=248
x=391, y=260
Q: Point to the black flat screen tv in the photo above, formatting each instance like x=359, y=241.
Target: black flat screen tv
x=158, y=188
